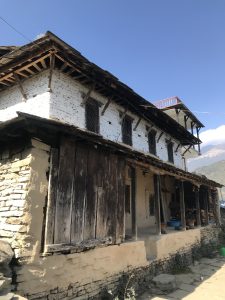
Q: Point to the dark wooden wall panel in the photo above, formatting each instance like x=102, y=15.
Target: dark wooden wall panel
x=120, y=235
x=64, y=191
x=90, y=194
x=79, y=194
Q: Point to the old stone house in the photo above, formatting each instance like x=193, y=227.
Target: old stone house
x=90, y=174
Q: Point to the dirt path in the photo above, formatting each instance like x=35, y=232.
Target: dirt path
x=206, y=281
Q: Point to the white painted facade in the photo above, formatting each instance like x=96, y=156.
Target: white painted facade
x=65, y=104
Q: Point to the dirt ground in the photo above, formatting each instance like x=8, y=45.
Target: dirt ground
x=205, y=281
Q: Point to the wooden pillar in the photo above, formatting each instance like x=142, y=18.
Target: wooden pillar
x=206, y=205
x=133, y=203
x=198, y=216
x=182, y=205
x=157, y=203
x=199, y=149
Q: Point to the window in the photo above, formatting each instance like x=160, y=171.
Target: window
x=152, y=141
x=170, y=151
x=127, y=130
x=92, y=115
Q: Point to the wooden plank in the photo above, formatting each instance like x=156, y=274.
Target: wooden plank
x=157, y=203
x=65, y=191
x=102, y=194
x=52, y=194
x=182, y=205
x=120, y=232
x=90, y=213
x=198, y=213
x=112, y=197
x=79, y=194
x=78, y=247
x=133, y=203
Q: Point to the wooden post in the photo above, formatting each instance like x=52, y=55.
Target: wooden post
x=198, y=216
x=182, y=205
x=157, y=203
x=206, y=206
x=133, y=203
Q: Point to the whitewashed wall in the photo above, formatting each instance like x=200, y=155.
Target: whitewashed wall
x=36, y=89
x=65, y=104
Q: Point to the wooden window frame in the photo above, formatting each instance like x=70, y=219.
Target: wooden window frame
x=152, y=141
x=169, y=146
x=127, y=136
x=92, y=124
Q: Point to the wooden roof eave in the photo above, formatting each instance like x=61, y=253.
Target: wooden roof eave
x=45, y=129
x=103, y=78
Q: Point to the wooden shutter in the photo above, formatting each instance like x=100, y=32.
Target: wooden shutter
x=92, y=115
x=152, y=142
x=127, y=130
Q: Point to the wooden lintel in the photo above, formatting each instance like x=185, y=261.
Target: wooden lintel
x=52, y=66
x=20, y=86
x=178, y=146
x=161, y=134
x=136, y=125
x=88, y=94
x=106, y=106
x=187, y=150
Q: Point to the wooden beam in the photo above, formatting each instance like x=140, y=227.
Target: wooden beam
x=187, y=149
x=182, y=205
x=52, y=66
x=198, y=214
x=43, y=64
x=106, y=106
x=136, y=125
x=25, y=67
x=20, y=86
x=178, y=146
x=37, y=67
x=161, y=134
x=157, y=203
x=63, y=67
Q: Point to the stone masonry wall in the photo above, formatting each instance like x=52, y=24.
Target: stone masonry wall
x=18, y=192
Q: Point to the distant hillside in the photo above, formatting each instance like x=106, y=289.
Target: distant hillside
x=210, y=155
x=214, y=171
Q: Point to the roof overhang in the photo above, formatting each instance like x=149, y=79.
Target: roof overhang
x=28, y=60
x=49, y=131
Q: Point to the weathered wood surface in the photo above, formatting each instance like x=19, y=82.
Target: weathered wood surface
x=89, y=193
x=79, y=247
x=198, y=213
x=79, y=195
x=157, y=203
x=52, y=194
x=65, y=191
x=182, y=205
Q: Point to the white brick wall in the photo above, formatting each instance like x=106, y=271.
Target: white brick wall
x=65, y=104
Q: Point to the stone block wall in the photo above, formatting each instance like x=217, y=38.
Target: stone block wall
x=19, y=189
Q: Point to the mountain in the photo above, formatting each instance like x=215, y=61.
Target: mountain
x=211, y=164
x=210, y=154
x=216, y=172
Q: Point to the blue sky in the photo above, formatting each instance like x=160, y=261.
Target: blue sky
x=160, y=48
